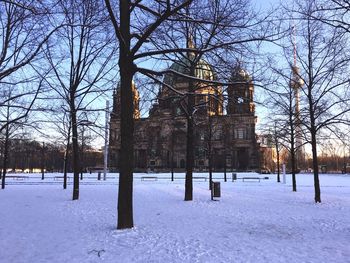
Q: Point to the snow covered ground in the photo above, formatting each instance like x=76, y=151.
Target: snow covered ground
x=253, y=221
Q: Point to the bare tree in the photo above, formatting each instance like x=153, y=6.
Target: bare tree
x=77, y=75
x=23, y=32
x=6, y=146
x=334, y=13
x=282, y=100
x=162, y=31
x=323, y=60
x=13, y=116
x=60, y=119
x=159, y=12
x=213, y=130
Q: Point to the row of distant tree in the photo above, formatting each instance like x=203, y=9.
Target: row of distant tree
x=33, y=156
x=328, y=163
x=27, y=155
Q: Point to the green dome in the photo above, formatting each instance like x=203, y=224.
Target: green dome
x=203, y=71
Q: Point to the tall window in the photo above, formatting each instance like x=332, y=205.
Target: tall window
x=240, y=133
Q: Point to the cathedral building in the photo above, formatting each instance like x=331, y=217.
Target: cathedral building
x=224, y=123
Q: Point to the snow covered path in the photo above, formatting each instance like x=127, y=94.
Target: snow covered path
x=252, y=222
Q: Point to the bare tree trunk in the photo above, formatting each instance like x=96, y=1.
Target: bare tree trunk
x=190, y=122
x=189, y=146
x=292, y=138
x=292, y=153
x=314, y=159
x=172, y=156
x=210, y=166
x=82, y=154
x=313, y=130
x=66, y=154
x=126, y=66
x=293, y=160
x=43, y=162
x=6, y=149
x=76, y=166
x=278, y=167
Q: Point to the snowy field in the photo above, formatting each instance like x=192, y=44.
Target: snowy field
x=253, y=221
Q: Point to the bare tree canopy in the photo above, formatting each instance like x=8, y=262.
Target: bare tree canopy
x=175, y=31
x=79, y=55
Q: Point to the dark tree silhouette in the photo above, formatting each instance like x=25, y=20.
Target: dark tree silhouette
x=323, y=60
x=162, y=31
x=85, y=39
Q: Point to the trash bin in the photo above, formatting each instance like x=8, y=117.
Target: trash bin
x=216, y=189
x=234, y=177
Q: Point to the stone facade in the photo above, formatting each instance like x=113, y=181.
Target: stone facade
x=227, y=133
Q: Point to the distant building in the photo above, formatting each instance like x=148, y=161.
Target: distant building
x=160, y=139
x=267, y=153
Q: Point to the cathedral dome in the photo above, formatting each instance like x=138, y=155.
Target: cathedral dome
x=203, y=71
x=240, y=74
